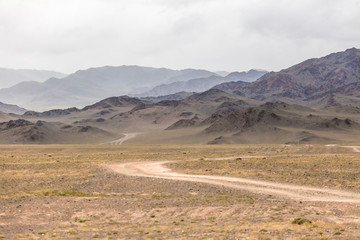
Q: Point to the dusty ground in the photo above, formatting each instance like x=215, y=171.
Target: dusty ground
x=51, y=192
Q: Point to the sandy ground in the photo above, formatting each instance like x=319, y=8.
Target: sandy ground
x=158, y=170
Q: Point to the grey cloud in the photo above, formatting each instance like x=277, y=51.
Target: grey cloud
x=216, y=35
x=329, y=20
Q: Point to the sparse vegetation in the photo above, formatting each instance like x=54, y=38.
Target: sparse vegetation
x=301, y=221
x=80, y=220
x=78, y=198
x=315, y=165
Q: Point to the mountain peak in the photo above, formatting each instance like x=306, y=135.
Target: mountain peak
x=353, y=49
x=317, y=76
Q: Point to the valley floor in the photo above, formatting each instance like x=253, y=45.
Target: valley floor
x=125, y=192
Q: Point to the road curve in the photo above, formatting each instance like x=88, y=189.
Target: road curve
x=126, y=137
x=302, y=193
x=354, y=148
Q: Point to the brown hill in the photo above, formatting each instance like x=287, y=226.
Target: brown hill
x=232, y=86
x=122, y=101
x=51, y=113
x=183, y=123
x=337, y=103
x=276, y=122
x=23, y=131
x=174, y=114
x=251, y=117
x=5, y=117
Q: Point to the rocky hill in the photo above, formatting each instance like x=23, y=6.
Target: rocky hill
x=337, y=72
x=21, y=131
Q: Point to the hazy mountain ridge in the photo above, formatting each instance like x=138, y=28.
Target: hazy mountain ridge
x=9, y=108
x=122, y=101
x=175, y=96
x=203, y=84
x=87, y=86
x=11, y=77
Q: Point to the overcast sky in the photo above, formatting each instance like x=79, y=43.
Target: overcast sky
x=232, y=35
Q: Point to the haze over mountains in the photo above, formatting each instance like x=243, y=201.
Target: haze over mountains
x=87, y=86
x=9, y=108
x=203, y=84
x=316, y=101
x=11, y=77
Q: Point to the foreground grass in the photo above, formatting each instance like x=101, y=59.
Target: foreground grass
x=338, y=171
x=34, y=170
x=63, y=192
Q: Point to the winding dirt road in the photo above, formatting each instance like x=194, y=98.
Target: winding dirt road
x=123, y=139
x=303, y=193
x=354, y=148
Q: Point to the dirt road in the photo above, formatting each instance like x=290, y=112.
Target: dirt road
x=303, y=193
x=354, y=148
x=123, y=139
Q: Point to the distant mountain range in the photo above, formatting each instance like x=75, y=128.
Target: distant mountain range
x=11, y=77
x=86, y=86
x=316, y=101
x=203, y=84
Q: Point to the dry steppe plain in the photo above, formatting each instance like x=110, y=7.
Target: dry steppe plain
x=73, y=192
